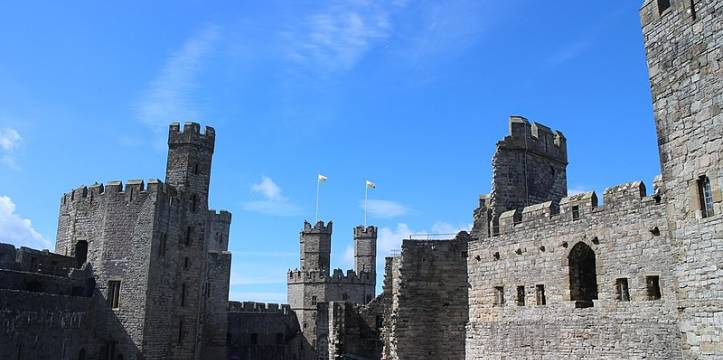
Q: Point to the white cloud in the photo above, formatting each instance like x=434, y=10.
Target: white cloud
x=169, y=96
x=267, y=188
x=9, y=139
x=15, y=229
x=337, y=37
x=273, y=202
x=348, y=257
x=577, y=190
x=385, y=208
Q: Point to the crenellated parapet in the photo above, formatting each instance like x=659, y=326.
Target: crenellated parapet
x=338, y=277
x=191, y=134
x=536, y=138
x=257, y=307
x=577, y=207
x=318, y=228
x=368, y=232
x=133, y=190
x=221, y=217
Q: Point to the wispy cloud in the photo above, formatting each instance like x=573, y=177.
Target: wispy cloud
x=568, y=52
x=273, y=202
x=338, y=36
x=385, y=209
x=169, y=97
x=16, y=229
x=9, y=140
x=577, y=190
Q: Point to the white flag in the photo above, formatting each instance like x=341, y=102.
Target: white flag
x=321, y=178
x=371, y=185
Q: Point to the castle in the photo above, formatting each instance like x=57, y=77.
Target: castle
x=141, y=271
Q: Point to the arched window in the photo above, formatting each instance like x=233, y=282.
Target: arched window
x=583, y=277
x=81, y=253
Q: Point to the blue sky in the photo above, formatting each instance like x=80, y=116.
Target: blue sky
x=410, y=94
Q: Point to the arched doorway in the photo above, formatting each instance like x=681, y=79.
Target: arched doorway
x=583, y=277
x=81, y=253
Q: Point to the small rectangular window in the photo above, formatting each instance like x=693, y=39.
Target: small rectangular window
x=663, y=5
x=520, y=296
x=313, y=300
x=183, y=295
x=254, y=339
x=622, y=292
x=499, y=296
x=186, y=263
x=575, y=212
x=706, y=196
x=113, y=298
x=180, y=331
x=653, y=287
x=194, y=202
x=162, y=246
x=540, y=295
x=189, y=232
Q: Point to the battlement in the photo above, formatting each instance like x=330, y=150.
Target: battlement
x=191, y=134
x=338, y=277
x=318, y=228
x=35, y=261
x=368, y=232
x=536, y=138
x=132, y=188
x=257, y=307
x=577, y=207
x=221, y=216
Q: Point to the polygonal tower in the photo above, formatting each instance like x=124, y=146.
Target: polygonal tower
x=315, y=245
x=683, y=44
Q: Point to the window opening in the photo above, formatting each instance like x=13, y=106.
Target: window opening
x=540, y=295
x=499, y=296
x=653, y=287
x=706, y=196
x=622, y=292
x=113, y=293
x=583, y=276
x=520, y=296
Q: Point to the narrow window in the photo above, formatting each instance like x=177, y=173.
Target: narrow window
x=254, y=339
x=113, y=293
x=575, y=212
x=499, y=296
x=520, y=296
x=162, y=246
x=208, y=290
x=653, y=287
x=540, y=294
x=344, y=296
x=194, y=202
x=692, y=12
x=663, y=5
x=279, y=338
x=185, y=263
x=622, y=293
x=180, y=331
x=189, y=231
x=313, y=300
x=379, y=322
x=195, y=169
x=183, y=295
x=81, y=354
x=706, y=196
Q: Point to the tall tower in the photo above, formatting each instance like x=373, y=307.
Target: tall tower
x=189, y=171
x=316, y=247
x=683, y=45
x=365, y=250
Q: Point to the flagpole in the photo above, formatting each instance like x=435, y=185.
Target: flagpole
x=366, y=192
x=316, y=216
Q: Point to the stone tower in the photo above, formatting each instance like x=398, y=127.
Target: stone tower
x=316, y=247
x=683, y=43
x=529, y=167
x=188, y=170
x=365, y=249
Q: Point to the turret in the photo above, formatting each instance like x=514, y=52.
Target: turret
x=189, y=159
x=315, y=244
x=365, y=249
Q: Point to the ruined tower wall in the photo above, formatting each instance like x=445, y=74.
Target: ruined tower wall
x=217, y=285
x=683, y=44
x=429, y=305
x=529, y=167
x=629, y=239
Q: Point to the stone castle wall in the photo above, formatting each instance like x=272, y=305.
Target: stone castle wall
x=628, y=236
x=258, y=331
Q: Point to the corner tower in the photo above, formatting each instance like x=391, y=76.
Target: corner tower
x=189, y=158
x=365, y=250
x=683, y=46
